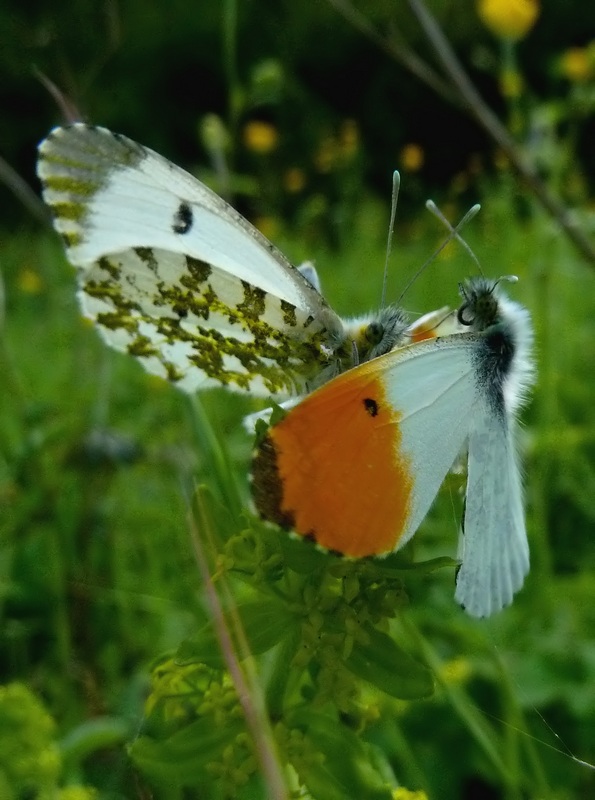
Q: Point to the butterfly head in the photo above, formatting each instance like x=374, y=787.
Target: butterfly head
x=481, y=306
x=378, y=335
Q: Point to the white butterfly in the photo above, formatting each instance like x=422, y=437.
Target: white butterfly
x=176, y=277
x=356, y=465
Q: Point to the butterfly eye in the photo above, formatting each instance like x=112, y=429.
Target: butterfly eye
x=461, y=315
x=480, y=310
x=374, y=333
x=487, y=308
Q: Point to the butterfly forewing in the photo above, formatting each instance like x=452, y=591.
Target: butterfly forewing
x=355, y=466
x=493, y=547
x=175, y=276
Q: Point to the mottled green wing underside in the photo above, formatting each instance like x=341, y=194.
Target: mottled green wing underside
x=198, y=326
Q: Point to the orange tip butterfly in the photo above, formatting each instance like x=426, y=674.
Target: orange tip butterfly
x=356, y=465
x=173, y=275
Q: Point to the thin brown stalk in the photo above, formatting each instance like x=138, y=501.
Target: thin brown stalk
x=23, y=192
x=463, y=93
x=249, y=693
x=496, y=130
x=396, y=49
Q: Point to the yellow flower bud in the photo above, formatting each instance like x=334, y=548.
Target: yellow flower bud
x=213, y=133
x=29, y=281
x=267, y=225
x=576, y=65
x=349, y=138
x=457, y=670
x=325, y=158
x=406, y=794
x=509, y=19
x=78, y=793
x=511, y=83
x=260, y=137
x=411, y=157
x=294, y=180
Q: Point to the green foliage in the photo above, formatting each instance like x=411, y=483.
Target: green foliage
x=96, y=521
x=362, y=677
x=318, y=618
x=30, y=757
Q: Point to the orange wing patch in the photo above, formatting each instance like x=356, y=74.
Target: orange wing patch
x=431, y=325
x=333, y=469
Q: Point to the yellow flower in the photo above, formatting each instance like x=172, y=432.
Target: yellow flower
x=349, y=138
x=260, y=137
x=78, y=793
x=29, y=281
x=411, y=157
x=294, y=180
x=501, y=160
x=509, y=19
x=268, y=226
x=457, y=670
x=327, y=154
x=576, y=65
x=406, y=794
x=460, y=182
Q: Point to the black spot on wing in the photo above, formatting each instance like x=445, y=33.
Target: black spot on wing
x=371, y=406
x=183, y=219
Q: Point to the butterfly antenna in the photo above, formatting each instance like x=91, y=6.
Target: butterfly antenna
x=391, y=229
x=67, y=106
x=454, y=234
x=507, y=278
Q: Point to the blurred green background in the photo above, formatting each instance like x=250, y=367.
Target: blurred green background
x=299, y=118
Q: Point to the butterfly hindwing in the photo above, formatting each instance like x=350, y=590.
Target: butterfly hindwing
x=174, y=275
x=493, y=546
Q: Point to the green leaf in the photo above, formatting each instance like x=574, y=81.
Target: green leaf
x=340, y=763
x=384, y=664
x=94, y=734
x=302, y=556
x=265, y=624
x=396, y=565
x=180, y=760
x=262, y=424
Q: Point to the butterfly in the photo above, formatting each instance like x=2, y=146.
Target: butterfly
x=356, y=465
x=173, y=275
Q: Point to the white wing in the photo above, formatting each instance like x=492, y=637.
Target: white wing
x=431, y=386
x=493, y=547
x=457, y=407
x=123, y=195
x=175, y=276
